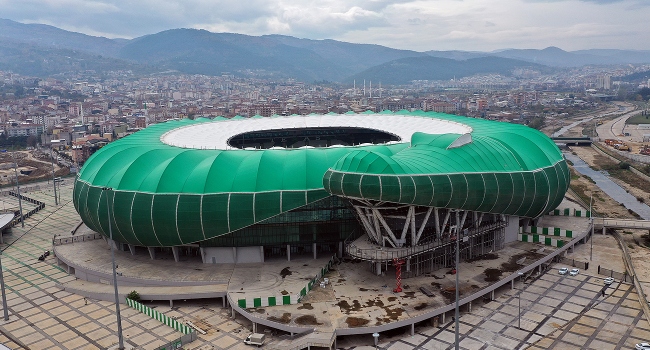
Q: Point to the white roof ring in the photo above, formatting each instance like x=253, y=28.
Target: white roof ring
x=216, y=135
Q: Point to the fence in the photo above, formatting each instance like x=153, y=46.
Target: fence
x=622, y=276
x=39, y=205
x=189, y=335
x=548, y=231
x=316, y=278
x=72, y=239
x=552, y=242
x=571, y=212
x=288, y=299
x=584, y=265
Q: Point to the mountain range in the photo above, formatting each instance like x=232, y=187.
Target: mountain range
x=42, y=50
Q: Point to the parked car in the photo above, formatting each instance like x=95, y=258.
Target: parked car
x=574, y=272
x=608, y=281
x=642, y=346
x=563, y=271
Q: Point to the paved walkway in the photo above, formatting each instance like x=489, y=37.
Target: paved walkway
x=43, y=316
x=557, y=312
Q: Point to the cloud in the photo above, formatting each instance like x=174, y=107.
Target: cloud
x=409, y=24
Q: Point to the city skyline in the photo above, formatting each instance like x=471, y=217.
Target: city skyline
x=469, y=25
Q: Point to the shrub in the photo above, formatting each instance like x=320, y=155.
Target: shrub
x=624, y=165
x=133, y=296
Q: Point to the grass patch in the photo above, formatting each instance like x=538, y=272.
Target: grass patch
x=638, y=119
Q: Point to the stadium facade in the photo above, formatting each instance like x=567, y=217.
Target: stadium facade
x=377, y=186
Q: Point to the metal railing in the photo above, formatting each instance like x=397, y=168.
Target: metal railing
x=388, y=254
x=72, y=239
x=39, y=205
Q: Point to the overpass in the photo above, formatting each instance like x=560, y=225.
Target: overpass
x=574, y=141
x=621, y=223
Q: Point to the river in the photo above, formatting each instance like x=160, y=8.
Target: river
x=609, y=187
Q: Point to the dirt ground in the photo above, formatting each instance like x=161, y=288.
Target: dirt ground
x=32, y=165
x=638, y=241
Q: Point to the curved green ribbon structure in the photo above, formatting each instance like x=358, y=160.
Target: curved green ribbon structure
x=164, y=195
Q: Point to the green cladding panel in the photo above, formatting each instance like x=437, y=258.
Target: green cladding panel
x=163, y=195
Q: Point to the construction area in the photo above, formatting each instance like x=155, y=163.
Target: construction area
x=29, y=166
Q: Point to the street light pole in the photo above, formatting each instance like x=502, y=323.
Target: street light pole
x=519, y=297
x=56, y=201
x=457, y=315
x=107, y=190
x=20, y=202
x=4, y=294
x=591, y=218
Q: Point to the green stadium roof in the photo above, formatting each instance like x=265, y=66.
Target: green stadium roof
x=180, y=182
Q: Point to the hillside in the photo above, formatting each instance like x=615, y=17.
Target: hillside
x=404, y=70
x=41, y=50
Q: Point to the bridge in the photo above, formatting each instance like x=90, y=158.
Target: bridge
x=574, y=141
x=622, y=223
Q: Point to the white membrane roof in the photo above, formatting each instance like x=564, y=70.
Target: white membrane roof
x=215, y=135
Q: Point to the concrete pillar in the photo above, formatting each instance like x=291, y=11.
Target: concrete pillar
x=202, y=255
x=313, y=249
x=408, y=265
x=443, y=317
x=469, y=307
x=171, y=303
x=232, y=312
x=152, y=252
x=223, y=302
x=512, y=284
x=604, y=230
x=262, y=253
x=176, y=253
x=340, y=250
x=288, y=252
x=132, y=249
x=234, y=254
x=491, y=295
x=254, y=327
x=412, y=328
x=378, y=268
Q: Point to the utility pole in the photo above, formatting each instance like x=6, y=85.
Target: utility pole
x=20, y=202
x=457, y=314
x=521, y=290
x=591, y=218
x=56, y=201
x=4, y=294
x=108, y=190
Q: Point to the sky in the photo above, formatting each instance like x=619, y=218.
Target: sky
x=421, y=25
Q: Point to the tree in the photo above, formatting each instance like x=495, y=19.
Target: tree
x=32, y=141
x=537, y=123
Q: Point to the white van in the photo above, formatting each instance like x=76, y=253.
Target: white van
x=255, y=339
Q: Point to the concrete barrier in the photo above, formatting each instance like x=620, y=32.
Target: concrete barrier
x=548, y=231
x=546, y=240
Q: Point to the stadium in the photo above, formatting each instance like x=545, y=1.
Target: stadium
x=374, y=186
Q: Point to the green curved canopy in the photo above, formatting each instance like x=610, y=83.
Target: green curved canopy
x=162, y=195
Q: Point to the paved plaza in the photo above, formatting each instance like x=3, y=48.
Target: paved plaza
x=557, y=312
x=561, y=312
x=41, y=316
